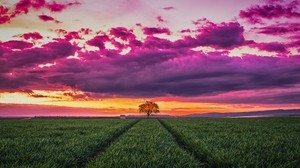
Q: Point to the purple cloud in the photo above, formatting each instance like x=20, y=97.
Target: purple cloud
x=4, y=16
x=123, y=33
x=255, y=14
x=161, y=73
x=160, y=19
x=168, y=8
x=224, y=35
x=24, y=6
x=156, y=30
x=272, y=47
x=34, y=36
x=98, y=41
x=279, y=29
x=47, y=18
x=16, y=44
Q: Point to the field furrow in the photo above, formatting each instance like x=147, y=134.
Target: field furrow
x=147, y=144
x=56, y=142
x=269, y=142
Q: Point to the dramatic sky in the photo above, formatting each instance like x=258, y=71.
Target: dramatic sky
x=105, y=57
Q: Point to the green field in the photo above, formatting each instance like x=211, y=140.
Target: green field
x=261, y=142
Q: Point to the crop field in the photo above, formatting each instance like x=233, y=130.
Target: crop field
x=60, y=142
x=55, y=142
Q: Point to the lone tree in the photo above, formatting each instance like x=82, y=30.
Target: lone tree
x=149, y=107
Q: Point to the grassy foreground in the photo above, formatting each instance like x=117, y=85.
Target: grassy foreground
x=264, y=142
x=147, y=144
x=55, y=142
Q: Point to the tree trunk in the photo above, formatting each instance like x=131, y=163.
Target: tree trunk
x=148, y=114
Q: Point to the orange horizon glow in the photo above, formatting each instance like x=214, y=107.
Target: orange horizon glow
x=116, y=106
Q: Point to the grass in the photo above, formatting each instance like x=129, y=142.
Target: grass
x=260, y=142
x=147, y=144
x=55, y=142
x=270, y=142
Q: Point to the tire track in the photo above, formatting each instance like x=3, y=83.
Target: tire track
x=102, y=147
x=183, y=144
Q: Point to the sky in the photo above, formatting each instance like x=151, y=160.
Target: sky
x=103, y=58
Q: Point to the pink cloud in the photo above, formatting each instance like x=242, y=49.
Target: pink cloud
x=154, y=43
x=37, y=4
x=255, y=14
x=279, y=29
x=21, y=7
x=73, y=35
x=47, y=18
x=160, y=19
x=16, y=44
x=186, y=31
x=4, y=17
x=58, y=7
x=123, y=33
x=272, y=47
x=85, y=31
x=156, y=30
x=168, y=8
x=98, y=41
x=24, y=6
x=29, y=56
x=34, y=36
x=224, y=35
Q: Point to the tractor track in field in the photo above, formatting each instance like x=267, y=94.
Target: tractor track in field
x=107, y=144
x=184, y=145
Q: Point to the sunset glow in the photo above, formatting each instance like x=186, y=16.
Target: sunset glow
x=104, y=58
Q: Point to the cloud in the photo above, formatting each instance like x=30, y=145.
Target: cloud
x=58, y=7
x=34, y=36
x=185, y=31
x=154, y=66
x=4, y=16
x=16, y=44
x=279, y=29
x=123, y=33
x=155, y=43
x=98, y=41
x=272, y=47
x=148, y=73
x=73, y=35
x=160, y=19
x=168, y=8
x=47, y=18
x=70, y=35
x=264, y=96
x=21, y=7
x=256, y=13
x=24, y=6
x=224, y=35
x=156, y=30
x=29, y=57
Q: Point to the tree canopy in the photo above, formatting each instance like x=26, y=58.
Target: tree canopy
x=148, y=107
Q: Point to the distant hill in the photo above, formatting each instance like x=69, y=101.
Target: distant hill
x=269, y=113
